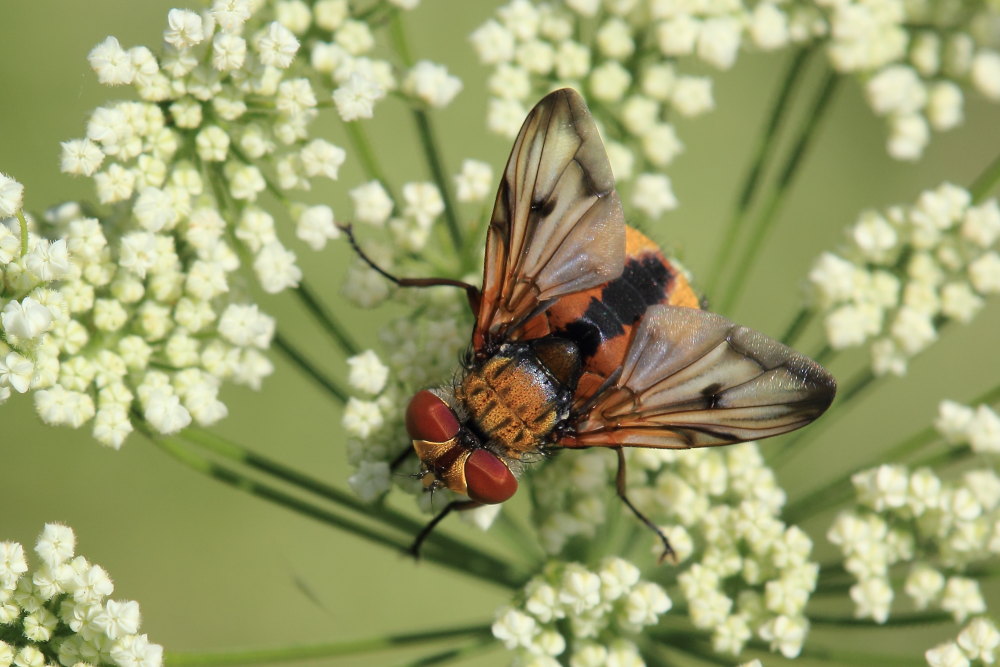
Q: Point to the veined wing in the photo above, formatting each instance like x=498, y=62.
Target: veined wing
x=694, y=379
x=557, y=225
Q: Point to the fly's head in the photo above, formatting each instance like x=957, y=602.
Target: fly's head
x=450, y=454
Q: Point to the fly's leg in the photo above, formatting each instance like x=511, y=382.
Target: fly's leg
x=455, y=505
x=668, y=551
x=471, y=291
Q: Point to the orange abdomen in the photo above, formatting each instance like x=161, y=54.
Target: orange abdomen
x=600, y=320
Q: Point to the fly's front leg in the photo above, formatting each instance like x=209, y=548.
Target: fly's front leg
x=471, y=291
x=668, y=551
x=455, y=505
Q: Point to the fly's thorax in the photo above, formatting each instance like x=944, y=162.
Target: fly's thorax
x=514, y=401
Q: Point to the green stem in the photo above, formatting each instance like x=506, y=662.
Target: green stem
x=440, y=549
x=326, y=650
x=296, y=357
x=986, y=181
x=898, y=620
x=487, y=643
x=840, y=489
x=399, y=41
x=798, y=325
x=177, y=449
x=236, y=452
x=330, y=324
x=363, y=149
x=762, y=154
x=427, y=138
x=23, y=224
x=763, y=223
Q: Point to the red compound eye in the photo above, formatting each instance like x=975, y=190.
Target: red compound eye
x=429, y=418
x=489, y=480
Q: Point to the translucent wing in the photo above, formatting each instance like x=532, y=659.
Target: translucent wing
x=694, y=379
x=557, y=225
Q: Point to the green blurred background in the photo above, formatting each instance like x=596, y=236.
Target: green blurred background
x=214, y=568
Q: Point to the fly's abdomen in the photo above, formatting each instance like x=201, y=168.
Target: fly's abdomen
x=600, y=321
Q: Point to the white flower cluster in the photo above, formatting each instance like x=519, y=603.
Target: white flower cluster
x=722, y=504
x=936, y=527
x=912, y=60
x=906, y=271
x=535, y=48
x=420, y=352
x=979, y=640
x=60, y=614
x=148, y=321
x=598, y=610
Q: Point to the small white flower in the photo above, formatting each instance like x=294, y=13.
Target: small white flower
x=164, y=412
x=983, y=431
x=536, y=57
x=276, y=45
x=315, y=226
x=11, y=196
x=872, y=598
x=229, y=52
x=474, y=182
x=431, y=83
x=897, y=89
x=981, y=224
x=677, y=36
x=768, y=26
x=111, y=63
x=330, y=14
x=653, y=194
x=979, y=640
x=137, y=650
x=12, y=564
x=719, y=41
x=785, y=634
x=80, y=157
x=371, y=480
x=962, y=598
x=504, y=116
x=692, y=95
x=118, y=619
x=493, y=42
x=366, y=372
x=371, y=203
x=572, y=60
x=423, y=202
x=16, y=372
x=356, y=97
x=609, y=81
x=908, y=136
x=212, y=143
x=27, y=319
x=184, y=29
x=361, y=418
x=946, y=655
x=514, y=628
x=246, y=326
x=986, y=73
x=944, y=105
x=984, y=273
x=614, y=39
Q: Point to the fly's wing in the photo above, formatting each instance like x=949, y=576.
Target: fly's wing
x=694, y=379
x=557, y=225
